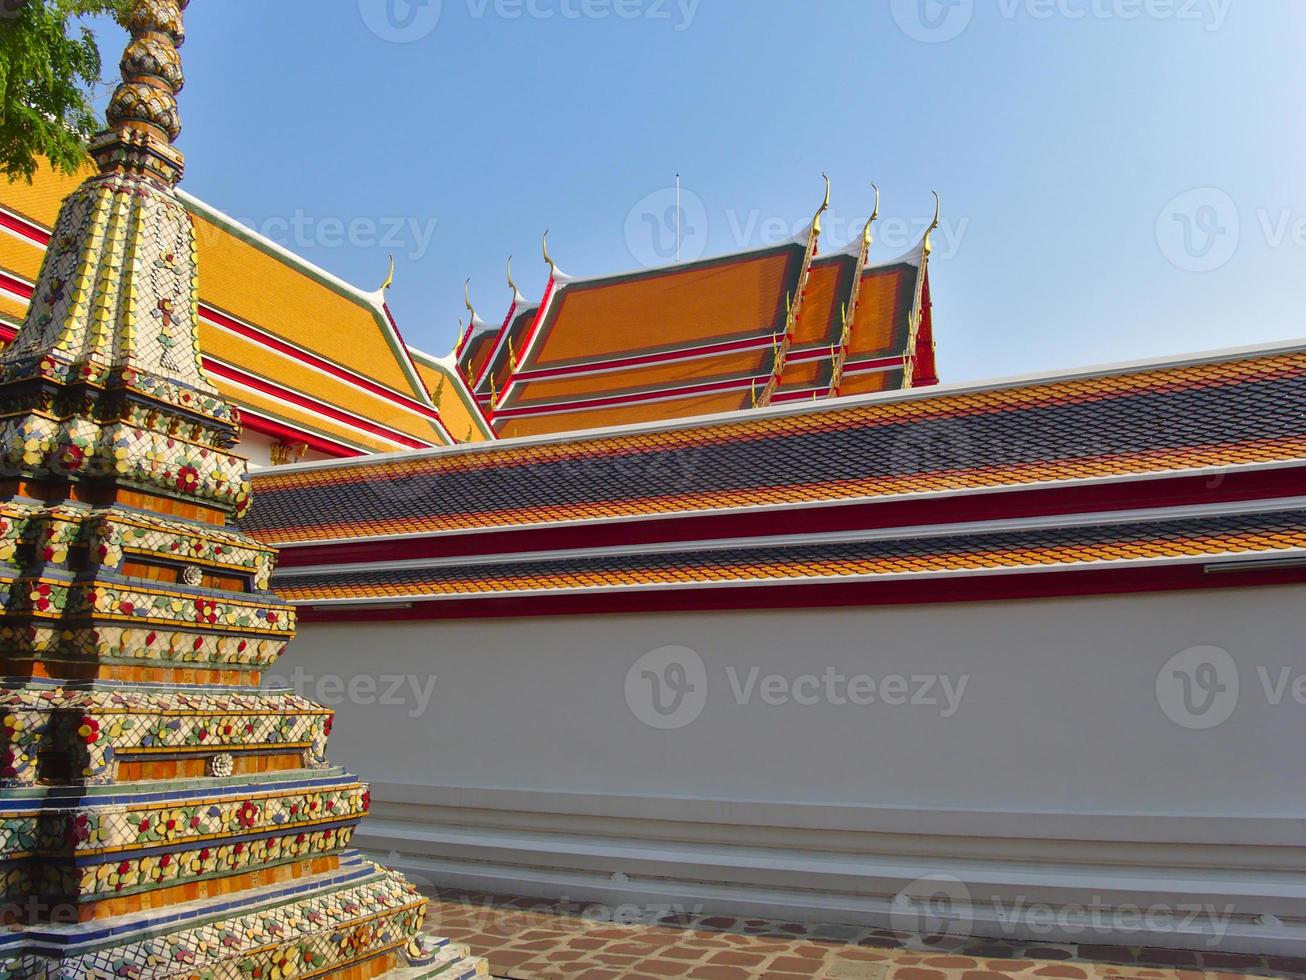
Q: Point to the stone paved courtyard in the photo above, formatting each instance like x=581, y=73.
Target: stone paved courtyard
x=529, y=939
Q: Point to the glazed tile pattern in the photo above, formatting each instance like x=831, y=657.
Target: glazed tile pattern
x=108, y=723
x=529, y=939
x=160, y=814
x=279, y=932
x=1222, y=413
x=1246, y=535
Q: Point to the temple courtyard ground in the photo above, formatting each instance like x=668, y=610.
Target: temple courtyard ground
x=528, y=939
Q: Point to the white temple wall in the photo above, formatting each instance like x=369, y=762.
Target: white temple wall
x=1035, y=755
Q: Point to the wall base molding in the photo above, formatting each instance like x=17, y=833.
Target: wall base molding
x=1231, y=883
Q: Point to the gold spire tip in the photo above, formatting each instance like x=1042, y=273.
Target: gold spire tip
x=934, y=225
x=867, y=235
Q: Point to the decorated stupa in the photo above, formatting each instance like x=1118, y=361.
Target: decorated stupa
x=161, y=814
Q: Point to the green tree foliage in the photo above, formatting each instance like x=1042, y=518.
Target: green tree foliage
x=48, y=65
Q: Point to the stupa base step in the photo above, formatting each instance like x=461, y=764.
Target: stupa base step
x=356, y=923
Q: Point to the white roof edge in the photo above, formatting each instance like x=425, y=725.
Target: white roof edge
x=447, y=361
x=834, y=404
x=798, y=239
x=912, y=256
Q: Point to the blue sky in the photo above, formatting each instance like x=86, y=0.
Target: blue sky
x=1121, y=178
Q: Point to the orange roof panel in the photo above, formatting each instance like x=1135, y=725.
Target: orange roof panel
x=884, y=305
x=740, y=296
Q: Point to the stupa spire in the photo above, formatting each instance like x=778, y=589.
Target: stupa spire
x=143, y=119
x=166, y=816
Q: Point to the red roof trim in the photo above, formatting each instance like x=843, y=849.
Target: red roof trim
x=503, y=337
x=1037, y=584
x=40, y=236
x=641, y=360
x=311, y=404
x=312, y=360
x=659, y=394
x=821, y=518
x=27, y=229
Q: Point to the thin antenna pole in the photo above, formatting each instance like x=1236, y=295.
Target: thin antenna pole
x=677, y=219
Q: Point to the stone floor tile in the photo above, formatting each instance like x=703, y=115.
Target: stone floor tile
x=527, y=939
x=712, y=971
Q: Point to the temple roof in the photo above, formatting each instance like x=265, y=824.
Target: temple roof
x=771, y=324
x=269, y=326
x=670, y=493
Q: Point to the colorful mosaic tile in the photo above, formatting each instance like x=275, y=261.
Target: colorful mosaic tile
x=160, y=814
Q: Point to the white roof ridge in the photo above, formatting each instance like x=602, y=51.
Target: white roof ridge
x=799, y=239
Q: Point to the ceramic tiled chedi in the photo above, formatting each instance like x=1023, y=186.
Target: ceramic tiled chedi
x=161, y=815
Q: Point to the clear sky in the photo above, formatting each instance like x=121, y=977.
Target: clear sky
x=1121, y=178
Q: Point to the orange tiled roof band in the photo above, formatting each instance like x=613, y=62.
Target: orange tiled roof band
x=1239, y=411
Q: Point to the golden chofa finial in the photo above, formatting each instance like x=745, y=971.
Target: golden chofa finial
x=467, y=301
x=934, y=225
x=867, y=235
x=547, y=257
x=512, y=285
x=389, y=277
x=825, y=206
